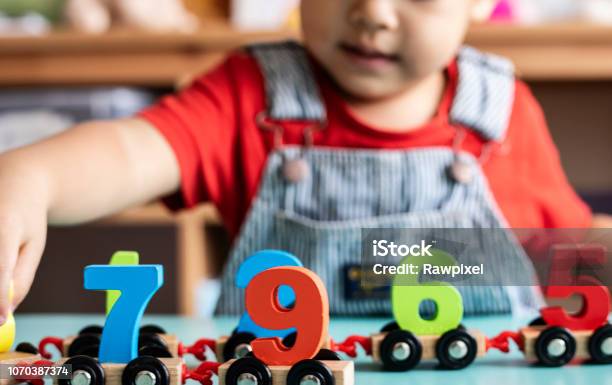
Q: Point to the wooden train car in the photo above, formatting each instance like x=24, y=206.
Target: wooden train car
x=238, y=345
x=153, y=341
x=400, y=350
x=251, y=371
x=556, y=346
x=146, y=370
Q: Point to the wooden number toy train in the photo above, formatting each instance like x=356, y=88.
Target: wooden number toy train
x=411, y=338
x=112, y=354
x=153, y=340
x=305, y=362
x=554, y=339
x=282, y=338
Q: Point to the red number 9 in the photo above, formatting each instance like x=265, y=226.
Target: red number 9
x=309, y=315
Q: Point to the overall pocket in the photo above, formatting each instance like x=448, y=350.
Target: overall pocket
x=331, y=248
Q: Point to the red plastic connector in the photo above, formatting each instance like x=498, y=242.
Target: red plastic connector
x=55, y=341
x=43, y=363
x=198, y=349
x=35, y=380
x=202, y=374
x=349, y=345
x=501, y=342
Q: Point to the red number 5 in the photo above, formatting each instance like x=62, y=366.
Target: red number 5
x=595, y=296
x=309, y=315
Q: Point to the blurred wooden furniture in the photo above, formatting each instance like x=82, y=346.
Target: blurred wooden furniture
x=121, y=57
x=206, y=9
x=563, y=52
x=549, y=52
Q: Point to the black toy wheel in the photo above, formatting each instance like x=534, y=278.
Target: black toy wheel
x=154, y=351
x=456, y=349
x=310, y=371
x=327, y=355
x=91, y=329
x=289, y=339
x=400, y=351
x=237, y=346
x=151, y=339
x=152, y=329
x=26, y=347
x=555, y=347
x=538, y=322
x=85, y=345
x=600, y=345
x=389, y=327
x=85, y=370
x=146, y=368
x=248, y=369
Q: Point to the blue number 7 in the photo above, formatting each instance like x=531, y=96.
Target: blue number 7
x=137, y=285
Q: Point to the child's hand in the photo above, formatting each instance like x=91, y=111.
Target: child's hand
x=23, y=226
x=88, y=172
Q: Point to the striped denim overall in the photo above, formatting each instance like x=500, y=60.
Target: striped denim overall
x=319, y=218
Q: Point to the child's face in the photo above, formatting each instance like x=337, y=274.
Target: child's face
x=378, y=48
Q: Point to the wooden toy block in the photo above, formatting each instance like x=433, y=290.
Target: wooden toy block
x=113, y=372
x=342, y=371
x=137, y=285
x=291, y=364
x=309, y=315
x=530, y=335
x=251, y=267
x=172, y=343
x=595, y=306
x=428, y=344
x=220, y=344
x=563, y=284
x=15, y=357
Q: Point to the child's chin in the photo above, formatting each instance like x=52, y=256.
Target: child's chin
x=370, y=88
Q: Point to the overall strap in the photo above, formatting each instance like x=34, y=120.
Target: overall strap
x=483, y=101
x=485, y=93
x=291, y=89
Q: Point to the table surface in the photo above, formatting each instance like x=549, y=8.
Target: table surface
x=496, y=368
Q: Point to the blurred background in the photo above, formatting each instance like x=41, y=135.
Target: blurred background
x=64, y=61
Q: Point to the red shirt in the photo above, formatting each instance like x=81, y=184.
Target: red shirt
x=222, y=152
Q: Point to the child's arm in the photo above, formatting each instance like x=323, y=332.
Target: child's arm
x=85, y=173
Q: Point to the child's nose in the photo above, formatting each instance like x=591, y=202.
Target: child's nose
x=374, y=15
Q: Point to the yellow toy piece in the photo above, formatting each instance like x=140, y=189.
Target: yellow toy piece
x=7, y=331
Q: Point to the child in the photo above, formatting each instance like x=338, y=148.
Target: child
x=382, y=121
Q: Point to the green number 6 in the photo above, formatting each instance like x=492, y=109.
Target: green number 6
x=407, y=294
